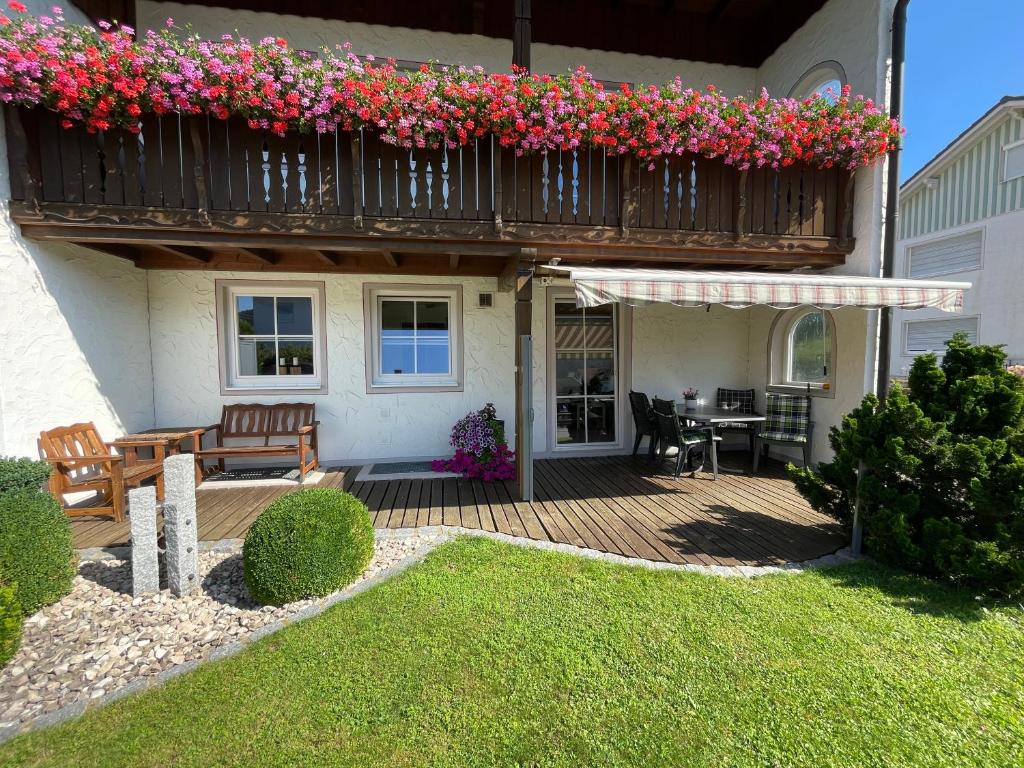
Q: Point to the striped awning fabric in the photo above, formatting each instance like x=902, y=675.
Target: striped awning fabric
x=595, y=286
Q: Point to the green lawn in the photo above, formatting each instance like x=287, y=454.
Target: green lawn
x=488, y=654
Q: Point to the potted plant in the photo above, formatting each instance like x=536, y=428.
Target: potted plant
x=690, y=398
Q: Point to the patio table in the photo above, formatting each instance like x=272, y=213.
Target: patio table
x=163, y=441
x=707, y=415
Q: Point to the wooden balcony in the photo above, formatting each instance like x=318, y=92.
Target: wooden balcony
x=200, y=193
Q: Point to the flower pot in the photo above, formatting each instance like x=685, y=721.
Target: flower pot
x=691, y=405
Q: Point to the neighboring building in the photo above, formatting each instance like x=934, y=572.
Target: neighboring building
x=137, y=304
x=962, y=218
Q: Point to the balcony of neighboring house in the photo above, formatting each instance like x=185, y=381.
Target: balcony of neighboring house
x=201, y=193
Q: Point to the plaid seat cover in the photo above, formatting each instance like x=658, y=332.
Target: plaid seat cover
x=787, y=417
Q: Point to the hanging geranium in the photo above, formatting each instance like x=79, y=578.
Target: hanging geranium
x=109, y=78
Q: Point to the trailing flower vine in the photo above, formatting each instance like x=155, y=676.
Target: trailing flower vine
x=110, y=77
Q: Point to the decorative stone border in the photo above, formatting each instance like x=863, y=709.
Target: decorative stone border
x=435, y=535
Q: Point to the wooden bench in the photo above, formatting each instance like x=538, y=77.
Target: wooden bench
x=82, y=461
x=253, y=421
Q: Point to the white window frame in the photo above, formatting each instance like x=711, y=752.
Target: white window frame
x=780, y=338
x=231, y=380
x=376, y=380
x=1006, y=160
x=815, y=77
x=937, y=352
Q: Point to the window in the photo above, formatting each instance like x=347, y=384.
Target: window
x=413, y=337
x=271, y=335
x=826, y=78
x=1013, y=161
x=802, y=351
x=948, y=254
x=920, y=336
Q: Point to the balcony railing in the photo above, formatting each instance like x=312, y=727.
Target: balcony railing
x=208, y=170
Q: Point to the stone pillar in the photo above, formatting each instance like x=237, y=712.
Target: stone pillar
x=145, y=564
x=180, y=525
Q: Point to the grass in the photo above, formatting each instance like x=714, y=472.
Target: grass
x=487, y=654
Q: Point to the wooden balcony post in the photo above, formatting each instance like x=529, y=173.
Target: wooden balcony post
x=357, y=179
x=524, y=373
x=496, y=183
x=628, y=203
x=521, y=34
x=844, y=206
x=739, y=202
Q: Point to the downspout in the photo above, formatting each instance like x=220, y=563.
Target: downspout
x=892, y=194
x=892, y=215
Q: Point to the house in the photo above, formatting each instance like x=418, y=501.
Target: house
x=148, y=281
x=962, y=218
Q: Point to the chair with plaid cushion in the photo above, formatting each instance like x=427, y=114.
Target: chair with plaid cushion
x=787, y=422
x=672, y=434
x=741, y=401
x=644, y=421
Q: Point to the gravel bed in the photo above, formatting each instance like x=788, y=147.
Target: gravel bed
x=99, y=638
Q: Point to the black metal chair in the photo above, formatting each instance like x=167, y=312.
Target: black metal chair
x=644, y=422
x=787, y=422
x=741, y=401
x=672, y=434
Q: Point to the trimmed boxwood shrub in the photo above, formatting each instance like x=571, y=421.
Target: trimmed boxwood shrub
x=36, y=555
x=22, y=474
x=307, y=544
x=10, y=623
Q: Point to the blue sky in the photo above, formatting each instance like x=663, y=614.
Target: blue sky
x=962, y=57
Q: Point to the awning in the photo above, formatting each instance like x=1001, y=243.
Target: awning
x=596, y=286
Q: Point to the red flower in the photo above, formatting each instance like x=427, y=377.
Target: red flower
x=17, y=7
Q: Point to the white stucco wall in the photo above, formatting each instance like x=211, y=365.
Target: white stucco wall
x=995, y=297
x=354, y=425
x=424, y=45
x=74, y=331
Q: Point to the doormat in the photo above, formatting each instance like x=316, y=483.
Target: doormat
x=400, y=470
x=257, y=476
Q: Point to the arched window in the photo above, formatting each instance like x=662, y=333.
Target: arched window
x=826, y=78
x=802, y=351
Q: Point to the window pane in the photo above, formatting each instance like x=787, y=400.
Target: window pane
x=601, y=420
x=396, y=315
x=295, y=357
x=600, y=328
x=432, y=315
x=600, y=373
x=255, y=315
x=810, y=352
x=570, y=421
x=432, y=352
x=397, y=337
x=294, y=315
x=568, y=326
x=570, y=370
x=257, y=358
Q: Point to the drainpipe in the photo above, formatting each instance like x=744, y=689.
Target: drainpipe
x=892, y=215
x=892, y=195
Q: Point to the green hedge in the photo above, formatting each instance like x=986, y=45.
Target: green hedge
x=22, y=474
x=943, y=488
x=10, y=624
x=36, y=555
x=307, y=544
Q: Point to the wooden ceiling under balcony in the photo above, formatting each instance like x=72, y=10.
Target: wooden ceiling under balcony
x=738, y=32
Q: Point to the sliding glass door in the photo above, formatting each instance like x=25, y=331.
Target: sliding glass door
x=585, y=373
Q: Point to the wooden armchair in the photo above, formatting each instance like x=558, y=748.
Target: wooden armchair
x=82, y=461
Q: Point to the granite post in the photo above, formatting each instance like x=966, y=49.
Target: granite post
x=180, y=525
x=145, y=563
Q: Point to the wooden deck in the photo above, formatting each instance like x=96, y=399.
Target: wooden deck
x=615, y=504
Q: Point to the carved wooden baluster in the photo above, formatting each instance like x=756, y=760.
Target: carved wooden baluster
x=444, y=179
x=575, y=183
x=301, y=168
x=560, y=185
x=544, y=183
x=667, y=190
x=265, y=165
x=693, y=194
x=284, y=176
x=679, y=197
x=430, y=185
x=413, y=182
